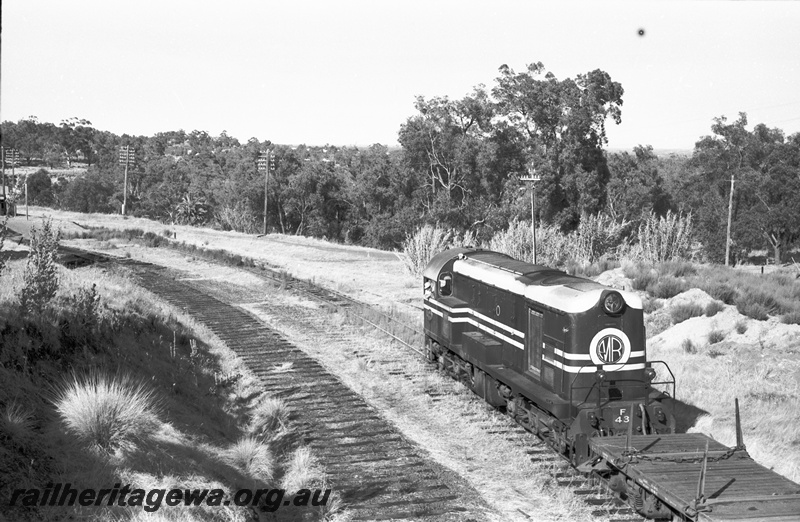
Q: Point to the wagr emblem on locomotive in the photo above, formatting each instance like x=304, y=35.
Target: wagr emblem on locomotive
x=610, y=349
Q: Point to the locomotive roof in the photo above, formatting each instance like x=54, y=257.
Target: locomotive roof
x=538, y=283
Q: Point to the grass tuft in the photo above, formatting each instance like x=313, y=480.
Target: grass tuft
x=303, y=471
x=682, y=312
x=688, y=346
x=715, y=336
x=741, y=326
x=267, y=417
x=107, y=412
x=253, y=457
x=17, y=421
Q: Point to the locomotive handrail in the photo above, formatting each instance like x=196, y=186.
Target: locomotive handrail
x=618, y=383
x=672, y=375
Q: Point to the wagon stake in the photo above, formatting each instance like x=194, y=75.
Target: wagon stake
x=739, y=437
x=700, y=500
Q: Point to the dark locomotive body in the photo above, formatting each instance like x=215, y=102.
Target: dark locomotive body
x=564, y=355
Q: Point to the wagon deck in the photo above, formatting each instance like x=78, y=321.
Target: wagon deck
x=670, y=466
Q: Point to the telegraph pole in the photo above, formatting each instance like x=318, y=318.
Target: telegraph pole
x=532, y=178
x=5, y=198
x=12, y=156
x=127, y=155
x=730, y=214
x=266, y=162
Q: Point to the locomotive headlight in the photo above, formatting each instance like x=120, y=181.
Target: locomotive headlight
x=613, y=303
x=650, y=374
x=600, y=375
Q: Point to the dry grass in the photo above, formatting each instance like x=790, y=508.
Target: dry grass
x=253, y=457
x=107, y=412
x=303, y=471
x=268, y=416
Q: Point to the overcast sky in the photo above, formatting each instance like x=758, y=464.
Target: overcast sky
x=347, y=72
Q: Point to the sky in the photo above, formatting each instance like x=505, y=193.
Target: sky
x=347, y=72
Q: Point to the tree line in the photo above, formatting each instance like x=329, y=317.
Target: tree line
x=460, y=165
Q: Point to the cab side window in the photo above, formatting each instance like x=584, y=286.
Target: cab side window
x=445, y=284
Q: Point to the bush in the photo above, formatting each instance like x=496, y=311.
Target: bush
x=688, y=346
x=721, y=291
x=597, y=235
x=666, y=288
x=239, y=217
x=665, y=238
x=791, y=318
x=651, y=305
x=713, y=308
x=677, y=268
x=715, y=336
x=107, y=412
x=682, y=312
x=425, y=243
x=752, y=309
x=41, y=274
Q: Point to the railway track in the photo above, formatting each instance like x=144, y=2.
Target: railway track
x=378, y=472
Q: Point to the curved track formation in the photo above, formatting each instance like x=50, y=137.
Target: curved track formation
x=378, y=472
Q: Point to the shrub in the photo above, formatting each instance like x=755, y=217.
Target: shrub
x=715, y=336
x=425, y=243
x=688, y=346
x=41, y=274
x=643, y=282
x=791, y=318
x=651, y=305
x=665, y=238
x=682, y=312
x=713, y=308
x=666, y=287
x=239, y=217
x=597, y=235
x=551, y=245
x=752, y=309
x=107, y=412
x=152, y=239
x=677, y=268
x=721, y=291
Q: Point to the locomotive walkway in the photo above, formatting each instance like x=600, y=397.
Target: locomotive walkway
x=378, y=472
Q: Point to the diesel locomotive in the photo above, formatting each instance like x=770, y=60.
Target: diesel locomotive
x=564, y=355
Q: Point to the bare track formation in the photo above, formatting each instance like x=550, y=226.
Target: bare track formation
x=378, y=472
